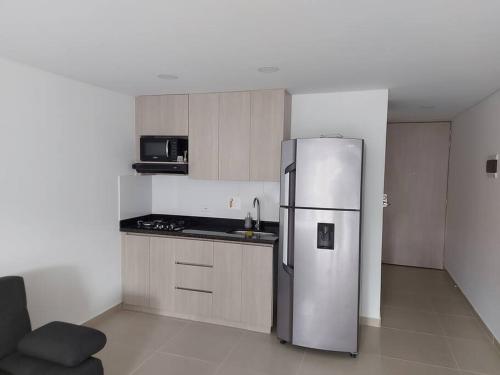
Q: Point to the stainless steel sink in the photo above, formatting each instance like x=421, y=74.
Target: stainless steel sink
x=255, y=233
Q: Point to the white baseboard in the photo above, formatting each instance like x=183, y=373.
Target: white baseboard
x=103, y=314
x=372, y=322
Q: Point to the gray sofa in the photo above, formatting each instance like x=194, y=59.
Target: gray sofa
x=57, y=348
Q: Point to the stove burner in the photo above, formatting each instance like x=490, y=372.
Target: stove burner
x=169, y=226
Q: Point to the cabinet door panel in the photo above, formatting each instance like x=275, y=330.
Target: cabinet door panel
x=135, y=270
x=204, y=136
x=173, y=115
x=147, y=114
x=194, y=252
x=266, y=134
x=194, y=277
x=234, y=136
x=162, y=273
x=257, y=286
x=227, y=281
x=193, y=303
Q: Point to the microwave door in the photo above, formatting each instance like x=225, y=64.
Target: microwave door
x=156, y=148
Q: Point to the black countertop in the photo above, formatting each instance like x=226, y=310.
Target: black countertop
x=204, y=227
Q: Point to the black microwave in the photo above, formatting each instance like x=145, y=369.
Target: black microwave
x=163, y=148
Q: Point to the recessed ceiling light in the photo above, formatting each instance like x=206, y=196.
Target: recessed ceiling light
x=167, y=76
x=268, y=69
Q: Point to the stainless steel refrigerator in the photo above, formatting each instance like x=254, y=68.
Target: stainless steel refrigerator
x=319, y=250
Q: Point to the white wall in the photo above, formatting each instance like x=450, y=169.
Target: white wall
x=361, y=114
x=181, y=195
x=135, y=195
x=472, y=254
x=63, y=146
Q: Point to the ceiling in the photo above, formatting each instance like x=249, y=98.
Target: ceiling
x=437, y=57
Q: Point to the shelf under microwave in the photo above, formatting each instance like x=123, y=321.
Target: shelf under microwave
x=171, y=168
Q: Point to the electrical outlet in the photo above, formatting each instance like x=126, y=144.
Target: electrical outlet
x=234, y=203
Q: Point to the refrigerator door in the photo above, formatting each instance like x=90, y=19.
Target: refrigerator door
x=328, y=173
x=287, y=179
x=326, y=279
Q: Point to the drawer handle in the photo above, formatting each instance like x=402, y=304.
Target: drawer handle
x=194, y=264
x=194, y=290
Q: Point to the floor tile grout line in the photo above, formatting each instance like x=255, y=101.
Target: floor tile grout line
x=157, y=350
x=448, y=345
x=435, y=334
x=188, y=324
x=187, y=357
x=226, y=357
x=440, y=335
x=434, y=311
x=299, y=367
x=420, y=362
x=422, y=311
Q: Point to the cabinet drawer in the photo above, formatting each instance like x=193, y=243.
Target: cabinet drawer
x=194, y=252
x=191, y=302
x=194, y=277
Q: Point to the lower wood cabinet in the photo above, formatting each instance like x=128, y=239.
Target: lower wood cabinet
x=135, y=270
x=225, y=283
x=257, y=286
x=191, y=304
x=228, y=263
x=161, y=272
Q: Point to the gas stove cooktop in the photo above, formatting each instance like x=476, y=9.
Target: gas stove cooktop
x=162, y=225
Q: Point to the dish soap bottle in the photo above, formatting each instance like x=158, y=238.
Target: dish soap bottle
x=248, y=221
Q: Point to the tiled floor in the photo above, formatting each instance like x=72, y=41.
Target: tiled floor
x=428, y=328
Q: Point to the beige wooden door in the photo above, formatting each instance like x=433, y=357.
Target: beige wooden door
x=416, y=173
x=257, y=287
x=135, y=270
x=162, y=114
x=234, y=136
x=267, y=130
x=161, y=273
x=227, y=281
x=204, y=136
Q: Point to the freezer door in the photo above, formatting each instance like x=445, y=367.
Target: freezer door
x=287, y=178
x=328, y=173
x=326, y=280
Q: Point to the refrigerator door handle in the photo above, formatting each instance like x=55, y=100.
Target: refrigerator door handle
x=285, y=238
x=290, y=185
x=288, y=230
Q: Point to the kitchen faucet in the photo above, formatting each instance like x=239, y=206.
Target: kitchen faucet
x=257, y=224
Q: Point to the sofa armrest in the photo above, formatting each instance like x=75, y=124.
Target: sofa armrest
x=62, y=343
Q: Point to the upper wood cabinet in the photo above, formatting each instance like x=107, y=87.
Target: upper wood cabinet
x=234, y=136
x=162, y=115
x=270, y=124
x=204, y=136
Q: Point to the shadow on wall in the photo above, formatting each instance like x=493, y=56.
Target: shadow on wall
x=55, y=293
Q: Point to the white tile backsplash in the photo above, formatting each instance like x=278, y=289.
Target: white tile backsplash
x=181, y=195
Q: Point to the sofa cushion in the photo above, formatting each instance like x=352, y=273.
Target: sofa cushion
x=62, y=343
x=14, y=318
x=18, y=364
